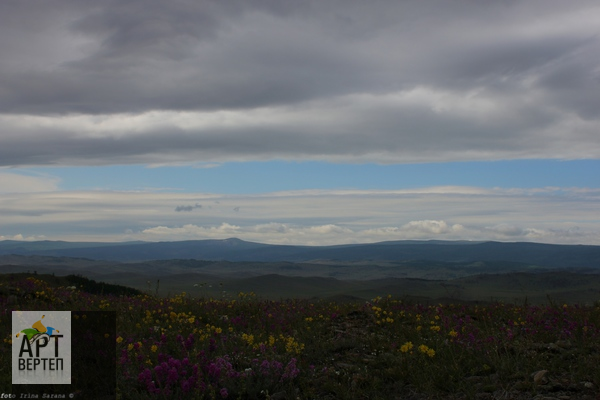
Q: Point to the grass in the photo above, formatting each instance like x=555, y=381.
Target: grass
x=244, y=347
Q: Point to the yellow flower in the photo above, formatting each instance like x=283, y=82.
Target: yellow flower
x=453, y=333
x=426, y=350
x=130, y=346
x=119, y=339
x=248, y=338
x=406, y=347
x=154, y=348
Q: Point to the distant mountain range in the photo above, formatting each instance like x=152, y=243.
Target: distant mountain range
x=236, y=250
x=416, y=270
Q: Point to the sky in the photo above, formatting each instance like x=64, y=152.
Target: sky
x=311, y=122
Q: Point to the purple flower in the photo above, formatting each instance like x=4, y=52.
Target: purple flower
x=224, y=393
x=185, y=386
x=214, y=371
x=173, y=375
x=265, y=366
x=145, y=376
x=189, y=342
x=175, y=363
x=276, y=365
x=291, y=371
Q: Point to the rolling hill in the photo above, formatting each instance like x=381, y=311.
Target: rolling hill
x=542, y=255
x=418, y=270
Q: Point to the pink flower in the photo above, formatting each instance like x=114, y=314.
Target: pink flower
x=224, y=393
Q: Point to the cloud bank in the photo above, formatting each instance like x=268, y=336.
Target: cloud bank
x=20, y=183
x=145, y=82
x=316, y=217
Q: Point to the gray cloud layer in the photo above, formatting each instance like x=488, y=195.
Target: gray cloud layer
x=134, y=81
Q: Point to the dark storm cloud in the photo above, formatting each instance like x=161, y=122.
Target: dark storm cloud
x=188, y=208
x=395, y=133
x=135, y=56
x=385, y=80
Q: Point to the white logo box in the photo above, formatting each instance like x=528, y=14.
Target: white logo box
x=41, y=347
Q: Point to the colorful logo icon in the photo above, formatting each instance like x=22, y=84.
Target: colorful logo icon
x=38, y=330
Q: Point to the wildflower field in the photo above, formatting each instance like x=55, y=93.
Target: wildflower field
x=245, y=347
